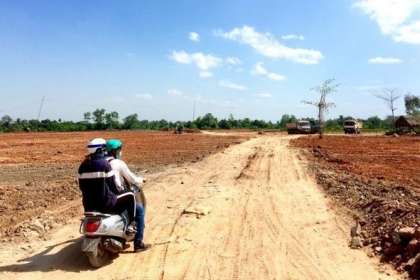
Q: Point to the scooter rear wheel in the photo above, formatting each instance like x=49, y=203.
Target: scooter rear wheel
x=99, y=257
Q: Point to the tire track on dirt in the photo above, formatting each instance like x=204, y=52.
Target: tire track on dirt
x=271, y=225
x=295, y=243
x=169, y=226
x=221, y=243
x=272, y=217
x=197, y=193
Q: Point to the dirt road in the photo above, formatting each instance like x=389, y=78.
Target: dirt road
x=250, y=212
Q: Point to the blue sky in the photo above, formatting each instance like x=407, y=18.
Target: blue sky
x=177, y=60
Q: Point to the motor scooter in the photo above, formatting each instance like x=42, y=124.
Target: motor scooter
x=104, y=234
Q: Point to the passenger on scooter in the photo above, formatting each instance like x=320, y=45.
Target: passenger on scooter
x=98, y=186
x=124, y=179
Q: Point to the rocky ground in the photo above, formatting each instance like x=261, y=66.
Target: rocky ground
x=376, y=178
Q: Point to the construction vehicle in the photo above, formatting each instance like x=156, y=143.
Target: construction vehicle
x=314, y=127
x=179, y=128
x=298, y=127
x=352, y=126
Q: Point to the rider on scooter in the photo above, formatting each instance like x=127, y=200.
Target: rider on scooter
x=98, y=187
x=124, y=177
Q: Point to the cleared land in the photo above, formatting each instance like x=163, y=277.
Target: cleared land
x=259, y=211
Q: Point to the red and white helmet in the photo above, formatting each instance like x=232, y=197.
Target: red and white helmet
x=95, y=144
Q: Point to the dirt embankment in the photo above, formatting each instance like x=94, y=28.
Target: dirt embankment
x=376, y=178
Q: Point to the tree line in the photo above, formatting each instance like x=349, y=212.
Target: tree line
x=101, y=120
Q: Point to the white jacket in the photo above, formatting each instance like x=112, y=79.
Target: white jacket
x=122, y=172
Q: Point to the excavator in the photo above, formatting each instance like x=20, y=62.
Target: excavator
x=179, y=128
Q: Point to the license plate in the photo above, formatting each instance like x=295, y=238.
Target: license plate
x=90, y=244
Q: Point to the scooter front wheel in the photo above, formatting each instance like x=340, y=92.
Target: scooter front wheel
x=99, y=257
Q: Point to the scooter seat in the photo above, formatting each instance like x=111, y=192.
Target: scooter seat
x=96, y=214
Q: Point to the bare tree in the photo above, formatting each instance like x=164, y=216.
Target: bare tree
x=322, y=105
x=389, y=96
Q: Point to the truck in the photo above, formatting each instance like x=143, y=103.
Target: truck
x=298, y=127
x=352, y=126
x=315, y=127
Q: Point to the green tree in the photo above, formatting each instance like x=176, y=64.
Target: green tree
x=163, y=123
x=412, y=104
x=99, y=118
x=225, y=124
x=373, y=123
x=208, y=121
x=245, y=123
x=111, y=120
x=259, y=124
x=333, y=125
x=131, y=122
x=87, y=117
x=154, y=125
x=144, y=124
x=389, y=122
x=233, y=123
x=6, y=123
x=286, y=118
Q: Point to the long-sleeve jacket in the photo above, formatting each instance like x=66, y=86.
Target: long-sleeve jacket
x=123, y=175
x=97, y=183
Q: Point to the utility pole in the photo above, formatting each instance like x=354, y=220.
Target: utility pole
x=39, y=113
x=194, y=111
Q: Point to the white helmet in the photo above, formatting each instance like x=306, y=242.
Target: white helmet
x=95, y=144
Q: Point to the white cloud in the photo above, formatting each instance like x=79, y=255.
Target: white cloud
x=145, y=96
x=206, y=74
x=200, y=60
x=384, y=60
x=233, y=60
x=276, y=77
x=266, y=44
x=409, y=33
x=194, y=36
x=260, y=70
x=229, y=84
x=265, y=95
x=174, y=92
x=291, y=37
x=398, y=19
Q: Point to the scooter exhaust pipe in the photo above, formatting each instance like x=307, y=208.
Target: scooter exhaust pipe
x=113, y=245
